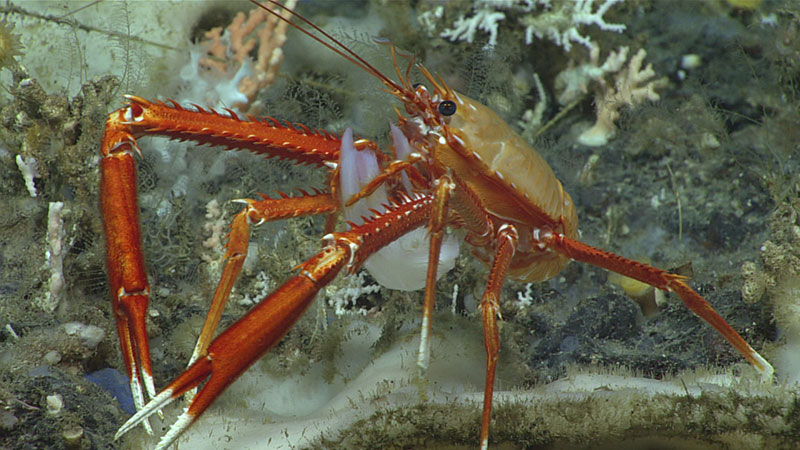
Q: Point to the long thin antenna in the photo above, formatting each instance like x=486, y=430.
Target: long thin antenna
x=345, y=52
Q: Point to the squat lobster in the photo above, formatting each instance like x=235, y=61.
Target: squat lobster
x=455, y=163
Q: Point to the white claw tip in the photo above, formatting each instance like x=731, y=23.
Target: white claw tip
x=181, y=424
x=155, y=404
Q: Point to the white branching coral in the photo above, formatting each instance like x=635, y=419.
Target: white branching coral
x=54, y=256
x=617, y=81
x=484, y=19
x=343, y=298
x=632, y=86
x=215, y=227
x=556, y=20
x=560, y=24
x=574, y=81
x=29, y=169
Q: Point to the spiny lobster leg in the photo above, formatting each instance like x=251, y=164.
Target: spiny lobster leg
x=661, y=280
x=507, y=237
x=256, y=212
x=239, y=346
x=126, y=271
x=269, y=209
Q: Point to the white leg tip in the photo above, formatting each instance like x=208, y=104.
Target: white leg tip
x=766, y=370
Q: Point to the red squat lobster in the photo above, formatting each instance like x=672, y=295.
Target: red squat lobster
x=456, y=163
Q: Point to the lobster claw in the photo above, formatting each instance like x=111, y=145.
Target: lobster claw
x=130, y=310
x=241, y=344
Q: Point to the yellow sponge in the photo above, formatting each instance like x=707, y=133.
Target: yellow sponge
x=641, y=293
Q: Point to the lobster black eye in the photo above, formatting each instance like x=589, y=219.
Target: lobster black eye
x=447, y=108
x=416, y=85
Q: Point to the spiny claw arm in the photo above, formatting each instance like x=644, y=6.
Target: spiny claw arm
x=233, y=351
x=269, y=209
x=264, y=136
x=118, y=198
x=664, y=281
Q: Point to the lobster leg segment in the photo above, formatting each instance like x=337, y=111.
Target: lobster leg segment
x=124, y=259
x=702, y=308
x=444, y=188
x=287, y=207
x=393, y=169
x=239, y=346
x=507, y=238
x=660, y=280
x=256, y=212
x=238, y=240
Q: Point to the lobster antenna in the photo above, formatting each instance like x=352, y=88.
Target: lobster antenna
x=346, y=53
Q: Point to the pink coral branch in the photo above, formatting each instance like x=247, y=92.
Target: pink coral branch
x=227, y=52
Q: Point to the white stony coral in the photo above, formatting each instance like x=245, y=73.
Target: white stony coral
x=484, y=19
x=632, y=86
x=560, y=24
x=556, y=20
x=574, y=81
